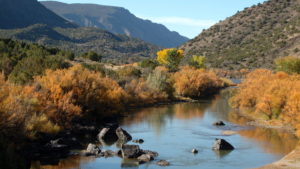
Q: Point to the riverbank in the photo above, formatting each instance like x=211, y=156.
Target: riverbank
x=290, y=161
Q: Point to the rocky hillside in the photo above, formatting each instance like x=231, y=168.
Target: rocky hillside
x=120, y=49
x=252, y=38
x=116, y=20
x=23, y=13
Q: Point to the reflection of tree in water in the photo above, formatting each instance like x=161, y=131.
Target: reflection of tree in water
x=68, y=163
x=158, y=117
x=220, y=107
x=270, y=140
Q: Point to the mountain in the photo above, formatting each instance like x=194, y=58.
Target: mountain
x=23, y=13
x=252, y=38
x=119, y=48
x=116, y=20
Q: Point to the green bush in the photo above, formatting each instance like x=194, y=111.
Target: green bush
x=288, y=64
x=148, y=63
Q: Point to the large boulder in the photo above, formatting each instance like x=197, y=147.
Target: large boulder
x=122, y=134
x=162, y=163
x=109, y=132
x=221, y=144
x=218, y=123
x=93, y=149
x=130, y=151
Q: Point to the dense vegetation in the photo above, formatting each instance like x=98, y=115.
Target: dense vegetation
x=251, y=38
x=272, y=96
x=119, y=49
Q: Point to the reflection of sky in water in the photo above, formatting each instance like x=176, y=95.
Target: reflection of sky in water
x=174, y=130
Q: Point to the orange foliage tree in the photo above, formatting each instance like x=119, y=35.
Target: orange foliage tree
x=195, y=83
x=276, y=96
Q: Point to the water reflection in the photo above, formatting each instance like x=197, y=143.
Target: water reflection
x=222, y=153
x=174, y=130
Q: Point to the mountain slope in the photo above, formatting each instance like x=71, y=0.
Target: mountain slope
x=23, y=13
x=120, y=48
x=252, y=38
x=117, y=20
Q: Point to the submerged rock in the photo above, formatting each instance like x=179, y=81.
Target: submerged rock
x=221, y=144
x=138, y=141
x=218, y=123
x=163, y=163
x=229, y=133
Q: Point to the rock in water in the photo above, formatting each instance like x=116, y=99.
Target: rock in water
x=163, y=163
x=118, y=152
x=138, y=141
x=194, y=151
x=93, y=149
x=145, y=157
x=152, y=153
x=218, y=123
x=221, y=144
x=130, y=151
x=109, y=132
x=122, y=134
x=107, y=153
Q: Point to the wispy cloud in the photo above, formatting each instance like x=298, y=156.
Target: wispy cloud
x=180, y=21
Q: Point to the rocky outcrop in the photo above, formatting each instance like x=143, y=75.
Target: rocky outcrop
x=162, y=163
x=221, y=144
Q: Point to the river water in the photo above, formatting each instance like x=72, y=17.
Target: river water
x=174, y=130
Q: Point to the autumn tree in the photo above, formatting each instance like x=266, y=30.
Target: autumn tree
x=170, y=57
x=198, y=62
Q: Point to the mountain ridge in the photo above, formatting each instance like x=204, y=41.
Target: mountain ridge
x=117, y=20
x=252, y=38
x=23, y=13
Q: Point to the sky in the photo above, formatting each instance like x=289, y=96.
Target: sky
x=187, y=17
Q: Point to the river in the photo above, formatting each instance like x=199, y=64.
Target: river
x=174, y=130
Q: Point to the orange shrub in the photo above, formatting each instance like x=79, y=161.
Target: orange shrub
x=276, y=96
x=196, y=83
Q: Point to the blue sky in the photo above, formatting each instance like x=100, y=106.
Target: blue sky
x=187, y=17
